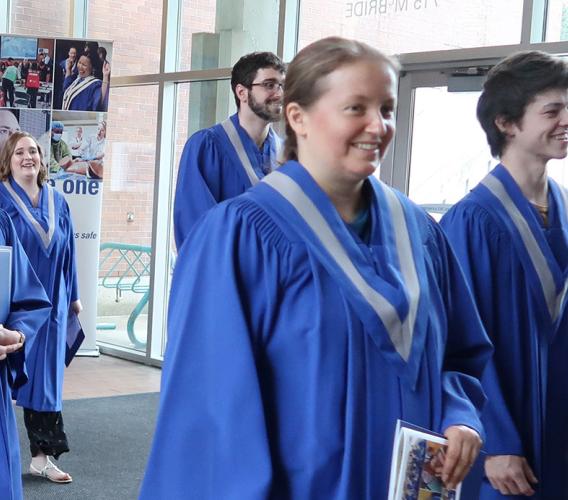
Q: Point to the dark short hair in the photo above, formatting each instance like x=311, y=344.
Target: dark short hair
x=245, y=69
x=94, y=60
x=511, y=86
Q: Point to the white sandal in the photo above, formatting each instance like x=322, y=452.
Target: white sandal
x=50, y=472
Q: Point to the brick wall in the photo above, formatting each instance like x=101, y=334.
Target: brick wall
x=135, y=28
x=40, y=17
x=128, y=186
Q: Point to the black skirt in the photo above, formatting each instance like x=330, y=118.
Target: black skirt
x=45, y=432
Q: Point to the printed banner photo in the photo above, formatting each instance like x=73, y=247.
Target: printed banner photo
x=57, y=90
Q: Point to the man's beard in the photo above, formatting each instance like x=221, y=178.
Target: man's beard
x=263, y=109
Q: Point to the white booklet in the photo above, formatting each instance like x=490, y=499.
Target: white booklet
x=416, y=465
x=5, y=282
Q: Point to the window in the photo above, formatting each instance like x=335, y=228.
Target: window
x=46, y=18
x=128, y=192
x=134, y=27
x=402, y=26
x=214, y=33
x=557, y=21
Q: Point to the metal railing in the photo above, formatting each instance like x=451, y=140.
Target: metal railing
x=125, y=267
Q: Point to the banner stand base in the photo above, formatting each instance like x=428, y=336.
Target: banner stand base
x=88, y=352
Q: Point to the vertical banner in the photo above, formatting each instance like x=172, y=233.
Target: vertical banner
x=57, y=90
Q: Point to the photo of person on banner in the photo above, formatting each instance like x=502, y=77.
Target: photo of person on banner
x=70, y=156
x=76, y=143
x=60, y=157
x=26, y=79
x=34, y=122
x=82, y=76
x=8, y=125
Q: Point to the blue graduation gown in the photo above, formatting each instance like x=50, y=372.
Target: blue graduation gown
x=210, y=171
x=279, y=380
x=46, y=233
x=29, y=310
x=89, y=99
x=528, y=372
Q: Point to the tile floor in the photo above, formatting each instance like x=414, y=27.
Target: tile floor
x=105, y=375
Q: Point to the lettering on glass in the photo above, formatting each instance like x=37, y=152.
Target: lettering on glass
x=368, y=8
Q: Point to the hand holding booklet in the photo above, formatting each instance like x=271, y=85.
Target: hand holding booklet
x=417, y=462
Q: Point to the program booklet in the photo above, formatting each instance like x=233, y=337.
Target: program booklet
x=416, y=466
x=75, y=336
x=5, y=283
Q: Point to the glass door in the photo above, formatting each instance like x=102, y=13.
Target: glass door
x=440, y=151
x=449, y=153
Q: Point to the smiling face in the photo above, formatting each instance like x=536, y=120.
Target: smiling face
x=26, y=160
x=72, y=53
x=84, y=67
x=542, y=133
x=263, y=102
x=345, y=134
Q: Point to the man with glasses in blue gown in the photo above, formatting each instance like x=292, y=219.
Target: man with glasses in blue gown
x=225, y=160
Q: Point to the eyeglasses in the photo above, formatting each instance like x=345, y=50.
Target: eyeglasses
x=270, y=85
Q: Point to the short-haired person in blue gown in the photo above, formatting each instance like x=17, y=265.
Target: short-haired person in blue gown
x=310, y=313
x=510, y=234
x=43, y=224
x=225, y=160
x=29, y=309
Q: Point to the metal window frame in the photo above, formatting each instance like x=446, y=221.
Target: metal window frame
x=79, y=18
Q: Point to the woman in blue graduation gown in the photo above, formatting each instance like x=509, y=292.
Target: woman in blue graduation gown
x=82, y=90
x=511, y=235
x=43, y=224
x=309, y=314
x=27, y=309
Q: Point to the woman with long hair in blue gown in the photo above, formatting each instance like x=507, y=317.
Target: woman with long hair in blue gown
x=310, y=313
x=43, y=224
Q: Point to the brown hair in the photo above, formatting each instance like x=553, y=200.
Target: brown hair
x=311, y=65
x=6, y=157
